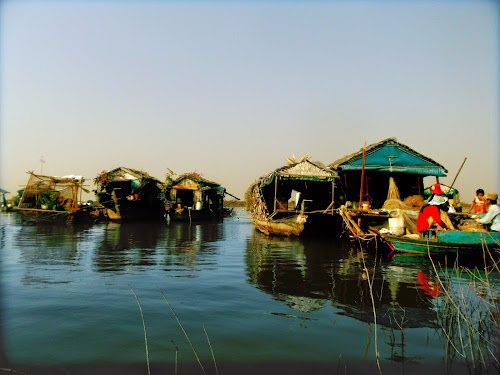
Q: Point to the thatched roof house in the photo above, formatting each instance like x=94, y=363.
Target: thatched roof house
x=301, y=187
x=130, y=194
x=203, y=198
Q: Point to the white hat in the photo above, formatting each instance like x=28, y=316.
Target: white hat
x=438, y=200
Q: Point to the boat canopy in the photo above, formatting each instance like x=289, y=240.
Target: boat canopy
x=390, y=156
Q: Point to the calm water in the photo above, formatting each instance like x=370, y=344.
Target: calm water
x=266, y=304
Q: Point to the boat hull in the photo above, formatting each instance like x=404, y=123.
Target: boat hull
x=49, y=216
x=293, y=226
x=187, y=214
x=447, y=242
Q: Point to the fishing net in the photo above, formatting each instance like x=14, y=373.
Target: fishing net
x=411, y=203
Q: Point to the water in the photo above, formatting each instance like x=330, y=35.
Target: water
x=266, y=304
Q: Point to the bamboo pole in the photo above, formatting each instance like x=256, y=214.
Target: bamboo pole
x=451, y=186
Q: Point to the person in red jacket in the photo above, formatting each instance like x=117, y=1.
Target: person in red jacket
x=434, y=214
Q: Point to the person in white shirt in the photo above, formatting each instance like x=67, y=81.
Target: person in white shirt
x=493, y=214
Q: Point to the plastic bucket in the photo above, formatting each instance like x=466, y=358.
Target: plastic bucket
x=397, y=226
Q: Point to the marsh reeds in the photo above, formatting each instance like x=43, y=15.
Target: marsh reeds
x=144, y=328
x=372, y=298
x=175, y=345
x=469, y=314
x=184, y=331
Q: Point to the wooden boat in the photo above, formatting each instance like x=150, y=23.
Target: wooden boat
x=130, y=194
x=292, y=198
x=444, y=242
x=194, y=198
x=52, y=199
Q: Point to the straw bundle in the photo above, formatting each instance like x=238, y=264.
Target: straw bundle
x=393, y=192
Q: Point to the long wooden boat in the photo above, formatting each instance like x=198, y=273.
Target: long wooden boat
x=445, y=242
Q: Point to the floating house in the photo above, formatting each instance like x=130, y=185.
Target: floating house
x=130, y=194
x=386, y=165
x=193, y=197
x=383, y=183
x=293, y=197
x=52, y=199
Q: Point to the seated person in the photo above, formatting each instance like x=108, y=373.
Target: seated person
x=434, y=214
x=493, y=214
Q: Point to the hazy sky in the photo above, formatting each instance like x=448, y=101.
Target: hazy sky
x=231, y=88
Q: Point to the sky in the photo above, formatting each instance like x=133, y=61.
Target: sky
x=230, y=89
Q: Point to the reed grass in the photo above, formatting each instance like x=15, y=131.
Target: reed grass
x=469, y=314
x=175, y=345
x=144, y=328
x=372, y=298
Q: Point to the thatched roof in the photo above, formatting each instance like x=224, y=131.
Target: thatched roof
x=196, y=178
x=125, y=174
x=391, y=156
x=304, y=169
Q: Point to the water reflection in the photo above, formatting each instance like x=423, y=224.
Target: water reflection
x=190, y=246
x=45, y=248
x=125, y=244
x=48, y=244
x=307, y=273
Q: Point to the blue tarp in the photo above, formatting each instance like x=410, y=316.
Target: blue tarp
x=394, y=157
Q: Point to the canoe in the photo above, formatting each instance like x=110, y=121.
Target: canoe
x=445, y=242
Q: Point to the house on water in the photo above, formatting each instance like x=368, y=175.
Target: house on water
x=193, y=197
x=297, y=196
x=130, y=194
x=387, y=167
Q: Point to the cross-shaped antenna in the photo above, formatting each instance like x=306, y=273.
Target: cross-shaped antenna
x=42, y=162
x=390, y=160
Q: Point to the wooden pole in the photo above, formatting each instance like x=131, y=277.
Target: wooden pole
x=275, y=191
x=362, y=176
x=458, y=173
x=333, y=194
x=362, y=181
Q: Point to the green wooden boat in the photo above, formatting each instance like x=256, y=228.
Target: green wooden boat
x=445, y=242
